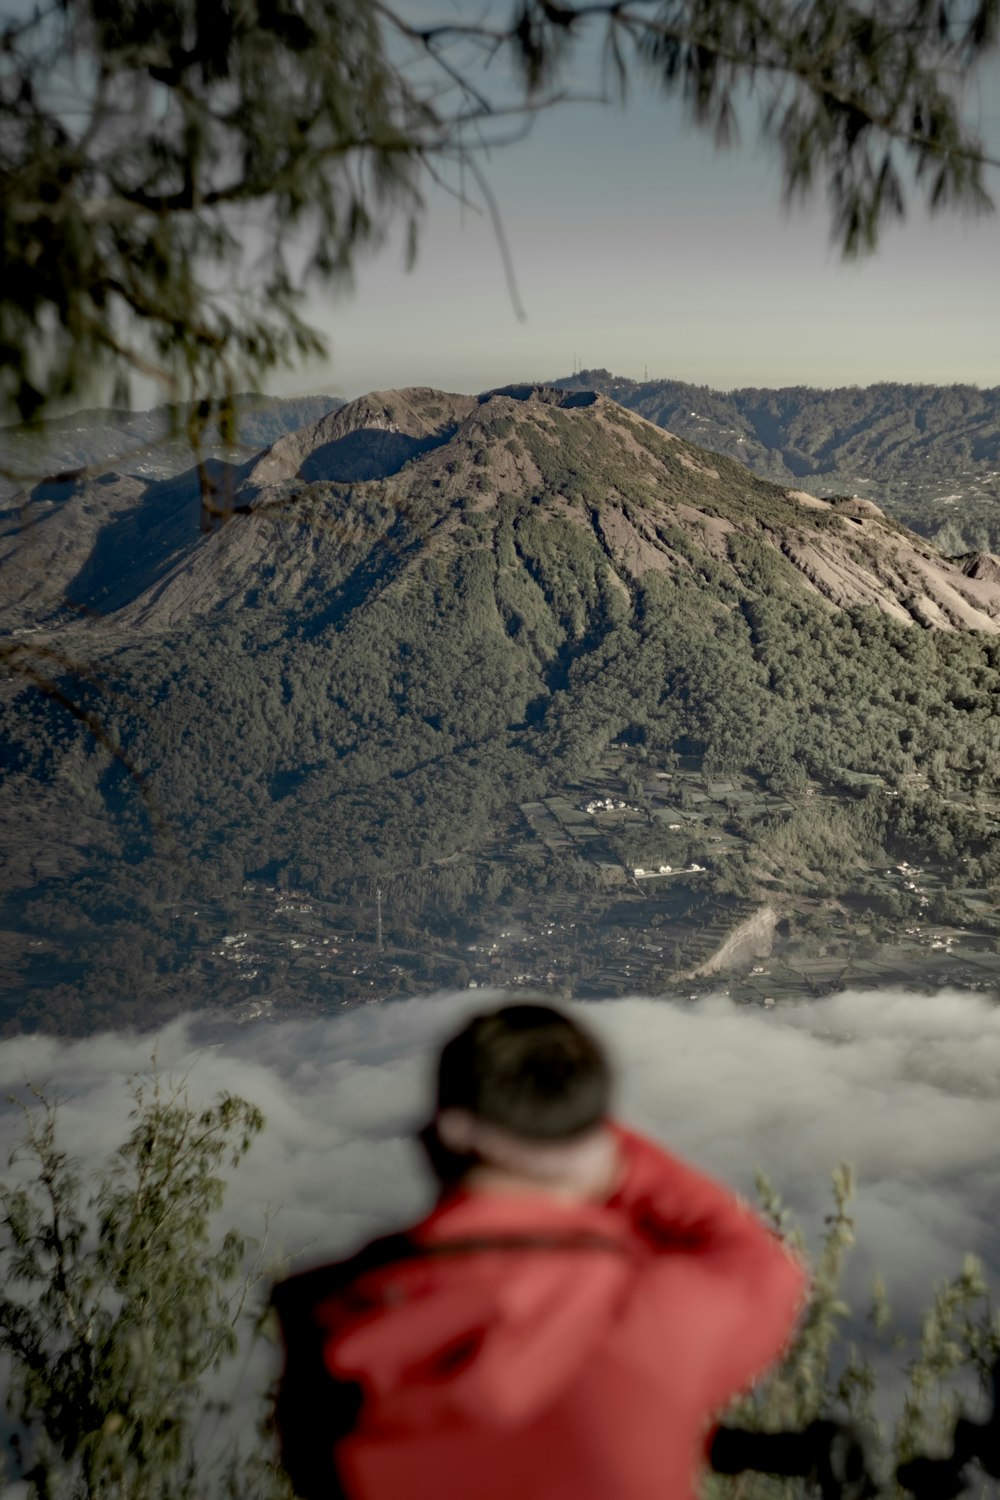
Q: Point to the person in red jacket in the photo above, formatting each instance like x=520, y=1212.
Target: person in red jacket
x=566, y=1322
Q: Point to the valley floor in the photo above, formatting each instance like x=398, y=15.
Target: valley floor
x=638, y=880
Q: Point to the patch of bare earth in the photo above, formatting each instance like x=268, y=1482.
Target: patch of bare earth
x=635, y=549
x=966, y=603
x=696, y=466
x=710, y=531
x=834, y=574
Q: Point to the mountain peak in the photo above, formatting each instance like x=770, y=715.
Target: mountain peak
x=649, y=501
x=545, y=395
x=371, y=437
x=467, y=476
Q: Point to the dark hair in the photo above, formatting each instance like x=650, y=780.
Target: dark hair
x=529, y=1069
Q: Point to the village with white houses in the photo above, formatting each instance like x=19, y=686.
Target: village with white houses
x=641, y=905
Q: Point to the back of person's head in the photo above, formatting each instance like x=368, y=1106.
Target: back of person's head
x=529, y=1069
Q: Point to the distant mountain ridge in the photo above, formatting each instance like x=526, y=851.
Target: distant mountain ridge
x=153, y=443
x=930, y=455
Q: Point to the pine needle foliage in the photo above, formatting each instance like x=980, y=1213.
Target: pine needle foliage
x=119, y=1298
x=136, y=141
x=174, y=171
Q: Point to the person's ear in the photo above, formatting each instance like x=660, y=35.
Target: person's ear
x=456, y=1129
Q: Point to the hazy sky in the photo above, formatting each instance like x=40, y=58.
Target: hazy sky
x=904, y=1086
x=636, y=244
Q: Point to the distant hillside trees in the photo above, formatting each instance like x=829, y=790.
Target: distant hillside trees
x=929, y=455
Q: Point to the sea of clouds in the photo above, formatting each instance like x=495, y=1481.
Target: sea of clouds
x=906, y=1087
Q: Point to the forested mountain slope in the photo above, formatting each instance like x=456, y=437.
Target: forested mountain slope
x=930, y=455
x=360, y=679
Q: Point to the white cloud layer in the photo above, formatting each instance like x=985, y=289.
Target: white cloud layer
x=904, y=1086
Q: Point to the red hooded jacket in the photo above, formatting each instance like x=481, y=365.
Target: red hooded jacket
x=523, y=1349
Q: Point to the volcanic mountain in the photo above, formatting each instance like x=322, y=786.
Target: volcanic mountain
x=423, y=610
x=448, y=468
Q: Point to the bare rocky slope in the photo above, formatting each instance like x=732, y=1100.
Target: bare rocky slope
x=653, y=502
x=929, y=455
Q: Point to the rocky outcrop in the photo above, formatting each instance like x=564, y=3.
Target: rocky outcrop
x=983, y=566
x=868, y=560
